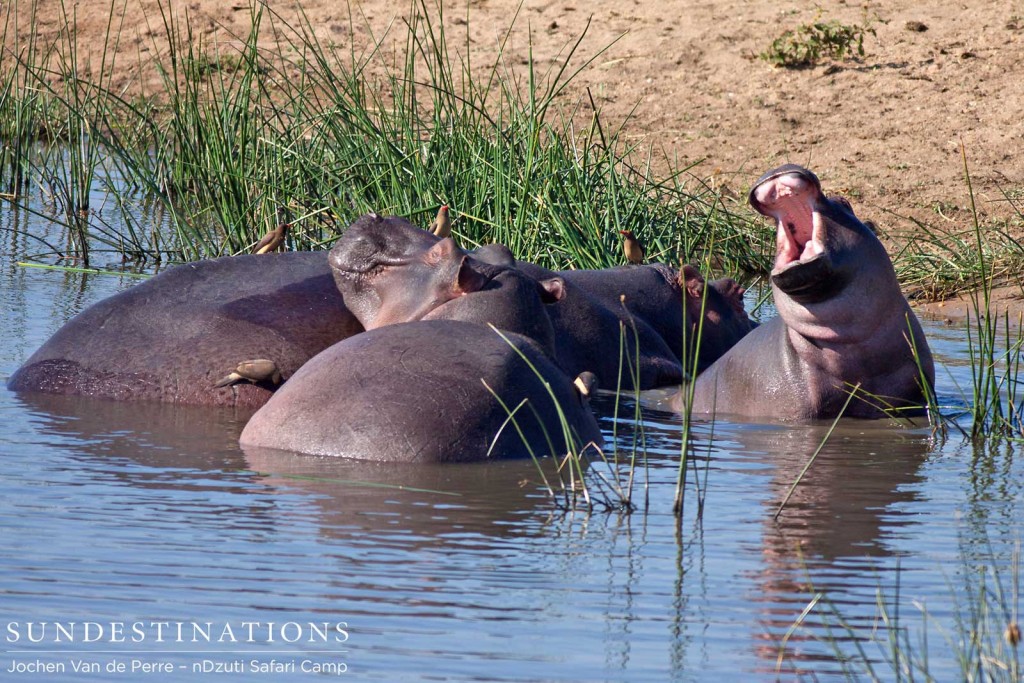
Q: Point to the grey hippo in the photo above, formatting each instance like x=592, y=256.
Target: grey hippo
x=219, y=332
x=421, y=392
x=389, y=271
x=842, y=320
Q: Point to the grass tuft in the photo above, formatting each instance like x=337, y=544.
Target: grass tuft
x=808, y=44
x=240, y=137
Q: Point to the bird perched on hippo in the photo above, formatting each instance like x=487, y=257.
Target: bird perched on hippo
x=842, y=320
x=422, y=392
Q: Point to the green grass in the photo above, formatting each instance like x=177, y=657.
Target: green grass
x=994, y=400
x=938, y=262
x=240, y=138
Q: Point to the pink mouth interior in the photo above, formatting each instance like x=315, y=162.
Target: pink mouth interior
x=791, y=199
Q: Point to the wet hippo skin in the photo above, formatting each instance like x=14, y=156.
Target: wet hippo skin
x=659, y=308
x=415, y=392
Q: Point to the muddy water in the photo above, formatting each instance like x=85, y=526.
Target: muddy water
x=130, y=516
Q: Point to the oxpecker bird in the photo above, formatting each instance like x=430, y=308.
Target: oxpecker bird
x=632, y=248
x=273, y=240
x=255, y=371
x=442, y=225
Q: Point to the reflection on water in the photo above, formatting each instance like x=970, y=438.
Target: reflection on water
x=114, y=512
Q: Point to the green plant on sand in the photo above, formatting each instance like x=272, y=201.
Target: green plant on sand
x=808, y=44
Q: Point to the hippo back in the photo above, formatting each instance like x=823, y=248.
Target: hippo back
x=421, y=392
x=172, y=337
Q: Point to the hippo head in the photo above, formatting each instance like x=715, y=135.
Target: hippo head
x=389, y=271
x=821, y=246
x=717, y=308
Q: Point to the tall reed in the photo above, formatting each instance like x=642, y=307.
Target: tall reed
x=244, y=134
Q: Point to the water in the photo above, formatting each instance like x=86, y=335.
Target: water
x=136, y=519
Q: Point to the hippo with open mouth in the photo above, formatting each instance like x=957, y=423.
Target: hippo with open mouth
x=842, y=322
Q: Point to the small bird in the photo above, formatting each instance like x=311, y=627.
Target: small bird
x=254, y=371
x=442, y=225
x=631, y=247
x=586, y=385
x=273, y=240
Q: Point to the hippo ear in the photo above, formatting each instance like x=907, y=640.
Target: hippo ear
x=733, y=294
x=551, y=290
x=470, y=278
x=585, y=385
x=692, y=281
x=840, y=199
x=444, y=250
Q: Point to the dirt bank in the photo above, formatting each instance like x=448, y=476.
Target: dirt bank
x=885, y=129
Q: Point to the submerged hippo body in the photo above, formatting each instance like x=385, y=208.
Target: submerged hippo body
x=842, y=321
x=175, y=336
x=388, y=271
x=663, y=306
x=411, y=388
x=589, y=335
x=415, y=392
x=674, y=303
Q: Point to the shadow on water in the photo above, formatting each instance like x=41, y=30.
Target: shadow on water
x=430, y=501
x=155, y=435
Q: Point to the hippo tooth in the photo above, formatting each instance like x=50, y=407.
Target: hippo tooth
x=787, y=249
x=816, y=245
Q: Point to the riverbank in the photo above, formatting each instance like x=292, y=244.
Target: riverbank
x=885, y=128
x=889, y=129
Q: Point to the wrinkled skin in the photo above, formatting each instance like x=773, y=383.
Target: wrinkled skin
x=389, y=271
x=842, y=320
x=171, y=338
x=413, y=393
x=725, y=321
x=587, y=318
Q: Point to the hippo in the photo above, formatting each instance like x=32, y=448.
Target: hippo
x=842, y=321
x=225, y=331
x=654, y=293
x=648, y=299
x=390, y=271
x=421, y=392
x=431, y=379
